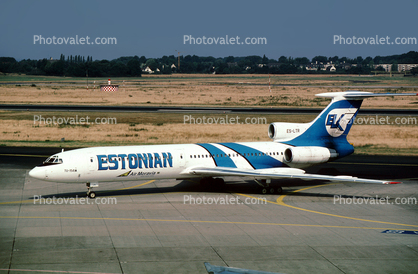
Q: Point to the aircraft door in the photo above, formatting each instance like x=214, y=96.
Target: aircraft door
x=180, y=157
x=92, y=163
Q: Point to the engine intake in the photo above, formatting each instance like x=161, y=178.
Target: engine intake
x=309, y=155
x=286, y=131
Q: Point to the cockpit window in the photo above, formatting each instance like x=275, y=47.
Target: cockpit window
x=53, y=160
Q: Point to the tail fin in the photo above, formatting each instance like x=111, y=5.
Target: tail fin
x=331, y=127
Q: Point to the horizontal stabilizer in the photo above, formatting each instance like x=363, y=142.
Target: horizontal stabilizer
x=360, y=95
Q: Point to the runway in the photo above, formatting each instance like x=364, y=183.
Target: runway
x=186, y=109
x=154, y=226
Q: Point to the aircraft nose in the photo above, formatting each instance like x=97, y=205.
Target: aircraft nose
x=37, y=173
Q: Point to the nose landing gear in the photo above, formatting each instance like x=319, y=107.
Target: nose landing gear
x=91, y=194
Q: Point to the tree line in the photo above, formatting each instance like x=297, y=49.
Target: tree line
x=133, y=66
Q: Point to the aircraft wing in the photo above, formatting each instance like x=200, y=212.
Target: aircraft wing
x=276, y=173
x=215, y=269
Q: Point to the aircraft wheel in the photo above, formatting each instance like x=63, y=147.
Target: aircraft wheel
x=218, y=183
x=279, y=190
x=91, y=195
x=271, y=190
x=264, y=191
x=205, y=181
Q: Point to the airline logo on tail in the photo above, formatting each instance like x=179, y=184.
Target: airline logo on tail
x=338, y=119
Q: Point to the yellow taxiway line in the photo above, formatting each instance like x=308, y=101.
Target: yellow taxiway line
x=280, y=202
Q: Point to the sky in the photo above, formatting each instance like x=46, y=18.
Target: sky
x=153, y=29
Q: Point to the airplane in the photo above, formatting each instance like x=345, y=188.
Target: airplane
x=295, y=146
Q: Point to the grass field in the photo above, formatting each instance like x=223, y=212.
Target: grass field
x=19, y=129
x=207, y=90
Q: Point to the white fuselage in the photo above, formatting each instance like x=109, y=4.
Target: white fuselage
x=104, y=164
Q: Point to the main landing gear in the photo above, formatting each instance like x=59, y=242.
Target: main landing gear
x=91, y=194
x=266, y=188
x=214, y=182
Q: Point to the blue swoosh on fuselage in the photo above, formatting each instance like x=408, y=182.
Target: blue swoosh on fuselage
x=221, y=158
x=253, y=157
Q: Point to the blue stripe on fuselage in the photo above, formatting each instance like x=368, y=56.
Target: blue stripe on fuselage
x=220, y=157
x=253, y=157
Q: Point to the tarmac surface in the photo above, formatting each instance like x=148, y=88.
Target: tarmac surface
x=171, y=226
x=190, y=109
